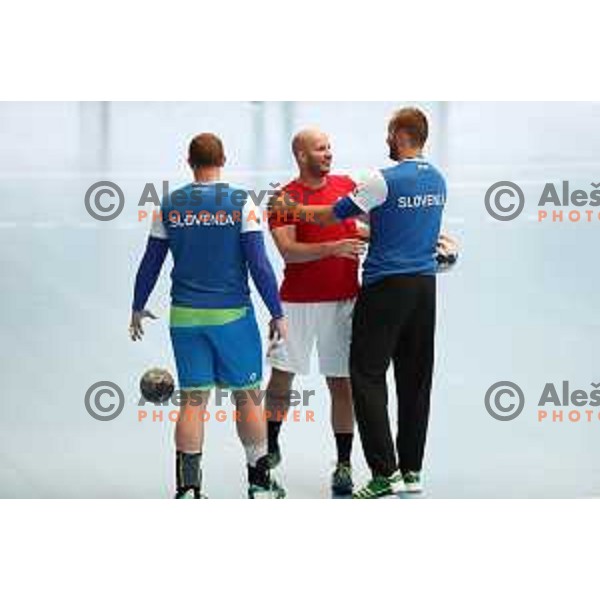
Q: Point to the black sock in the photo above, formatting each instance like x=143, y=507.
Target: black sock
x=188, y=472
x=273, y=428
x=260, y=474
x=343, y=442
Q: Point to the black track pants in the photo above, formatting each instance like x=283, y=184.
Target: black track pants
x=394, y=320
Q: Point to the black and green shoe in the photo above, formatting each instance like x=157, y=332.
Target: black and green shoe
x=412, y=482
x=341, y=480
x=379, y=487
x=190, y=494
x=271, y=491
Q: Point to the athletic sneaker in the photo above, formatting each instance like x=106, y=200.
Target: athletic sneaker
x=274, y=458
x=190, y=494
x=272, y=491
x=412, y=482
x=396, y=482
x=378, y=487
x=341, y=480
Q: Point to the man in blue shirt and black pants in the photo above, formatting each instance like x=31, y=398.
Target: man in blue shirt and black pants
x=394, y=316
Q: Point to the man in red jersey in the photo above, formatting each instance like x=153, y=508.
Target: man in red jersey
x=319, y=288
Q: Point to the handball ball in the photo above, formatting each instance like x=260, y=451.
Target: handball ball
x=157, y=385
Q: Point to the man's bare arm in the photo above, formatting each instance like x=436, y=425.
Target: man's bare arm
x=293, y=251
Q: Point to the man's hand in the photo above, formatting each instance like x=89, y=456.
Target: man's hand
x=350, y=248
x=447, y=244
x=136, y=331
x=447, y=251
x=363, y=228
x=277, y=330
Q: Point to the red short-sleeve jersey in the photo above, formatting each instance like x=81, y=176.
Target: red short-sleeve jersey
x=328, y=279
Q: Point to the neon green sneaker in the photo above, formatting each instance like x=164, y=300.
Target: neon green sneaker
x=378, y=487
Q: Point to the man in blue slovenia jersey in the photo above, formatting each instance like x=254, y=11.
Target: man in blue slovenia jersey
x=394, y=316
x=214, y=233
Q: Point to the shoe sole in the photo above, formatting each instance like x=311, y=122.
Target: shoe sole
x=278, y=493
x=377, y=497
x=202, y=497
x=268, y=496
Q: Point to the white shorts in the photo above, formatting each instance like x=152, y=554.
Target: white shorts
x=329, y=324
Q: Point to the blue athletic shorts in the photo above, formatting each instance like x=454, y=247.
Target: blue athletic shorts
x=216, y=348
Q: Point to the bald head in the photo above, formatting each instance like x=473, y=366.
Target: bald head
x=306, y=139
x=312, y=151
